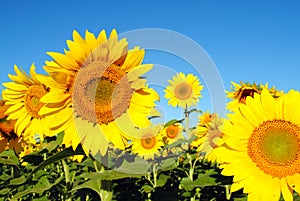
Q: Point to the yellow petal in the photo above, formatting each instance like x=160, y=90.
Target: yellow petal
x=90, y=39
x=294, y=182
x=49, y=82
x=248, y=114
x=268, y=104
x=65, y=61
x=21, y=125
x=101, y=37
x=287, y=192
x=76, y=51
x=15, y=86
x=100, y=142
x=55, y=96
x=61, y=117
x=134, y=58
x=136, y=72
x=14, y=108
x=79, y=40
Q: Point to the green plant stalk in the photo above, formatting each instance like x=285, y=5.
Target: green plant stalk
x=105, y=186
x=228, y=193
x=192, y=166
x=154, y=175
x=68, y=179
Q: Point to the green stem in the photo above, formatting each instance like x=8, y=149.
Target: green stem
x=154, y=175
x=105, y=186
x=228, y=193
x=68, y=179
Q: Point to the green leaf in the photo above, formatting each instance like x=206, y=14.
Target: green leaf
x=18, y=181
x=202, y=181
x=60, y=137
x=176, y=143
x=109, y=175
x=91, y=184
x=138, y=167
x=4, y=191
x=59, y=156
x=162, y=180
x=168, y=164
x=50, y=146
x=171, y=122
x=9, y=157
x=147, y=188
x=39, y=188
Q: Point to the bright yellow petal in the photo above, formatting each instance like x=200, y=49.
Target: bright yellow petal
x=287, y=192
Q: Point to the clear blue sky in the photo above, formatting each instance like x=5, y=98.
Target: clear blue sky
x=247, y=40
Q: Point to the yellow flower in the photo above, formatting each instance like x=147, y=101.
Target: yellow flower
x=172, y=133
x=97, y=92
x=148, y=143
x=262, y=146
x=184, y=90
x=22, y=97
x=241, y=91
x=209, y=135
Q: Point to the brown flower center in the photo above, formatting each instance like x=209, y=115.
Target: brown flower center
x=172, y=131
x=244, y=93
x=183, y=91
x=101, y=92
x=32, y=99
x=274, y=147
x=148, y=142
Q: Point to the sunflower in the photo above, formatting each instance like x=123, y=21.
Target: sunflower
x=22, y=96
x=240, y=92
x=148, y=143
x=209, y=135
x=262, y=146
x=97, y=93
x=184, y=90
x=172, y=133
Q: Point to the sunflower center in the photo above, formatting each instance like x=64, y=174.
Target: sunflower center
x=183, y=91
x=213, y=137
x=172, y=131
x=32, y=99
x=244, y=93
x=274, y=147
x=148, y=142
x=101, y=92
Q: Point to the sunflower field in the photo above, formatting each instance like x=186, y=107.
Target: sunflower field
x=85, y=130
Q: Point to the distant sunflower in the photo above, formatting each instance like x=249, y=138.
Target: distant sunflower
x=22, y=97
x=262, y=146
x=9, y=139
x=209, y=135
x=184, y=90
x=240, y=92
x=149, y=142
x=97, y=93
x=172, y=133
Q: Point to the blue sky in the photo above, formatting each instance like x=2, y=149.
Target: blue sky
x=247, y=40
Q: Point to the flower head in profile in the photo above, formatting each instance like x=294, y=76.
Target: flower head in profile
x=262, y=146
x=239, y=93
x=98, y=94
x=184, y=90
x=209, y=135
x=22, y=97
x=148, y=142
x=8, y=137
